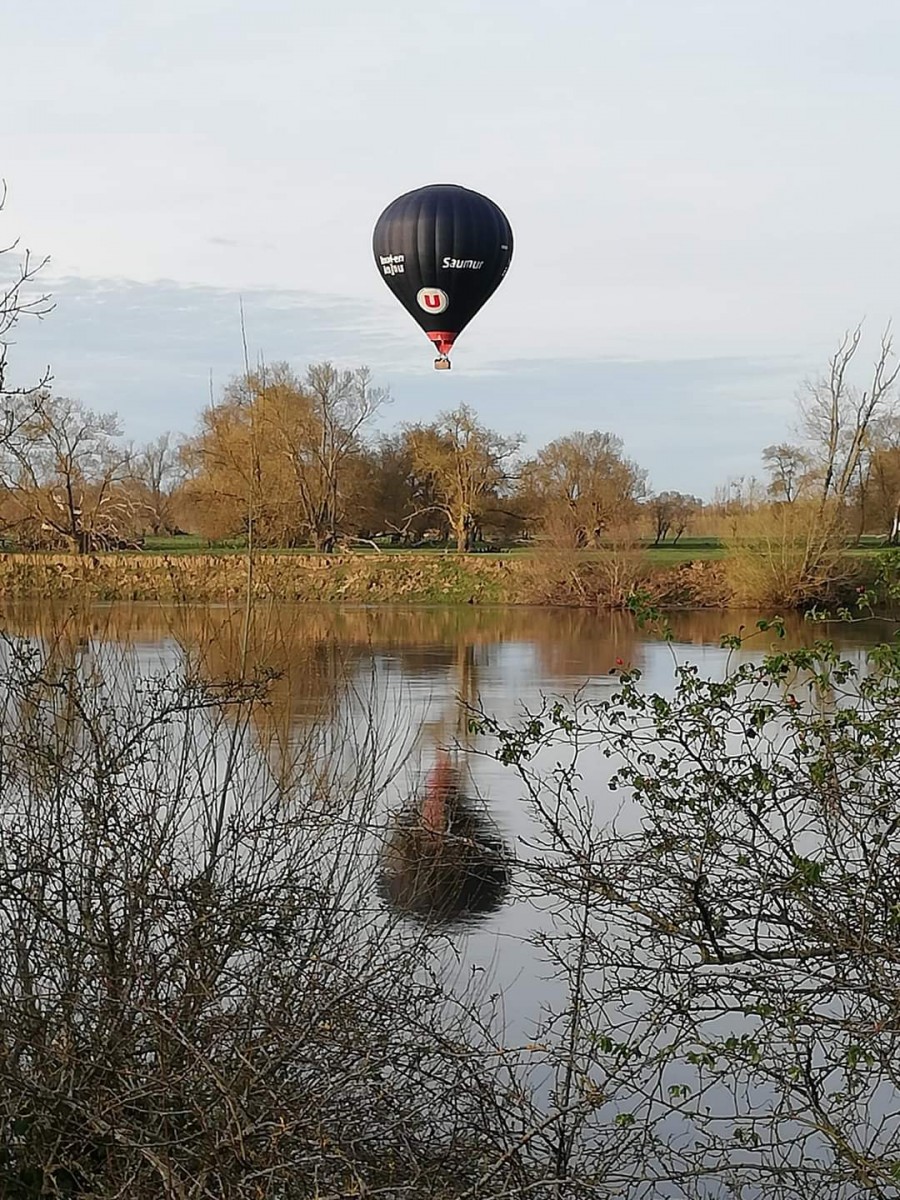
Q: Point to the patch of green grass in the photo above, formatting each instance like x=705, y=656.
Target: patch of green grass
x=687, y=543
x=671, y=556
x=870, y=547
x=193, y=544
x=190, y=543
x=686, y=549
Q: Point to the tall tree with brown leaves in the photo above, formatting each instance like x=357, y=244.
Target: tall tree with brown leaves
x=284, y=453
x=468, y=467
x=581, y=485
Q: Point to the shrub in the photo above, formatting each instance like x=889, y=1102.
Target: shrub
x=731, y=937
x=788, y=555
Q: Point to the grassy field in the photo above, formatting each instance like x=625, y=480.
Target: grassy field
x=667, y=554
x=190, y=544
x=686, y=550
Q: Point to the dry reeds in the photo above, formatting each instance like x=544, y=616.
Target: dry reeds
x=788, y=554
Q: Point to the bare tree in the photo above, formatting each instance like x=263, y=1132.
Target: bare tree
x=789, y=470
x=156, y=470
x=467, y=467
x=203, y=1007
x=18, y=300
x=582, y=484
x=307, y=434
x=288, y=449
x=837, y=416
x=342, y=403
x=672, y=513
x=400, y=500
x=64, y=468
x=227, y=478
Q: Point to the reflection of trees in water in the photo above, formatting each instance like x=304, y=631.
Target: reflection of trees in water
x=304, y=669
x=444, y=861
x=313, y=652
x=706, y=627
x=425, y=637
x=422, y=638
x=572, y=644
x=315, y=655
x=308, y=664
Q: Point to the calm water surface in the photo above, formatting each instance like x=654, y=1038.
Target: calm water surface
x=417, y=670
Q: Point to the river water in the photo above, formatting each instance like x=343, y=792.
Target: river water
x=416, y=674
x=368, y=722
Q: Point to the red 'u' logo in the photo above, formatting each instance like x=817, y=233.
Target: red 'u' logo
x=433, y=300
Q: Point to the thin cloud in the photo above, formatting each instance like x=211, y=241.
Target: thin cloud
x=147, y=350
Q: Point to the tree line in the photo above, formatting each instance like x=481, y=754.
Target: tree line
x=291, y=460
x=284, y=459
x=845, y=453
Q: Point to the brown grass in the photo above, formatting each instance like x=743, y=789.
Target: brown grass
x=760, y=570
x=205, y=578
x=789, y=555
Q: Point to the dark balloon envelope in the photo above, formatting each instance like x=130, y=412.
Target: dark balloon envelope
x=442, y=250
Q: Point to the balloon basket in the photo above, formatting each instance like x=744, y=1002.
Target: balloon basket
x=442, y=364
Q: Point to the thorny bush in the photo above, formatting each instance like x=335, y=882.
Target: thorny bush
x=730, y=937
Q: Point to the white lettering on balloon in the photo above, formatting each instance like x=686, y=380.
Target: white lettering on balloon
x=393, y=264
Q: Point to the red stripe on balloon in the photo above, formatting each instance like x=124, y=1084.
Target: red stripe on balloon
x=443, y=340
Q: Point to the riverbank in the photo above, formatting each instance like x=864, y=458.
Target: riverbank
x=567, y=580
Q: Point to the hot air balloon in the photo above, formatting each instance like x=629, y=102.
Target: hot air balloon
x=442, y=250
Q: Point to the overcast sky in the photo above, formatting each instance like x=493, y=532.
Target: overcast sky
x=704, y=195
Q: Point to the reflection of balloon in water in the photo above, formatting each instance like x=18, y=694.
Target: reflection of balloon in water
x=444, y=863
x=442, y=250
